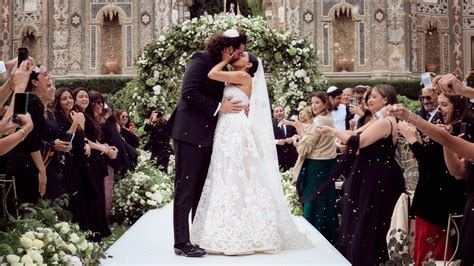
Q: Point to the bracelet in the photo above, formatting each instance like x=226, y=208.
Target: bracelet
x=23, y=131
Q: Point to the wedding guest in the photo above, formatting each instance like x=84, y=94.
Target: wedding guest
x=127, y=129
x=338, y=109
x=316, y=159
x=25, y=162
x=459, y=155
x=77, y=180
x=287, y=154
x=373, y=185
x=159, y=142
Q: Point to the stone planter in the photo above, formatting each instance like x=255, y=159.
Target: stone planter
x=111, y=66
x=343, y=64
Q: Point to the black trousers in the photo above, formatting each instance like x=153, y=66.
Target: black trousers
x=192, y=164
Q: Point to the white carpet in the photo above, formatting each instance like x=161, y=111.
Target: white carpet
x=150, y=241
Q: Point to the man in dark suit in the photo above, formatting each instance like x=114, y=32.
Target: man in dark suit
x=429, y=108
x=192, y=127
x=287, y=154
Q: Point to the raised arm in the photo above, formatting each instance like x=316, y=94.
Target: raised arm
x=455, y=164
x=234, y=77
x=459, y=146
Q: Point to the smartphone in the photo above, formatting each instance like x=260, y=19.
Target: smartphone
x=22, y=55
x=69, y=136
x=353, y=101
x=21, y=103
x=470, y=81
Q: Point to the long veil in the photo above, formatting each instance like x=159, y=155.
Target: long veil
x=262, y=129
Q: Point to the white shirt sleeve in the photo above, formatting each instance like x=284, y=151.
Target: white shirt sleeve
x=217, y=111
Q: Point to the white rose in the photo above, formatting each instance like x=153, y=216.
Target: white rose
x=75, y=261
x=39, y=235
x=148, y=194
x=142, y=202
x=82, y=245
x=293, y=43
x=157, y=197
x=157, y=89
x=156, y=75
x=74, y=238
x=72, y=248
x=55, y=257
x=161, y=38
x=151, y=202
x=36, y=256
x=26, y=259
x=26, y=242
x=307, y=80
x=30, y=235
x=13, y=258
x=38, y=243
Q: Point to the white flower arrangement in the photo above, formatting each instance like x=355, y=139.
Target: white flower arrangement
x=289, y=189
x=290, y=61
x=64, y=244
x=144, y=189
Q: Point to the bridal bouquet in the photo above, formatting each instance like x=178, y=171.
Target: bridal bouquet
x=144, y=189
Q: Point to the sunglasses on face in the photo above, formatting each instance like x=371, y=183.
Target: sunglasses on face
x=422, y=98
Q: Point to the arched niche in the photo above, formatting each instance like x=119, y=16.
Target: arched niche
x=344, y=41
x=29, y=38
x=432, y=44
x=111, y=19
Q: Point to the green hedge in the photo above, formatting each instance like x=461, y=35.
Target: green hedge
x=408, y=88
x=108, y=84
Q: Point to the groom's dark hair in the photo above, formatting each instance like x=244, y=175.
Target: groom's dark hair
x=218, y=42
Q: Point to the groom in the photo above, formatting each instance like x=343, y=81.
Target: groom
x=192, y=126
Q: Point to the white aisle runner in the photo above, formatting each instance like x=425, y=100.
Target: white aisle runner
x=150, y=241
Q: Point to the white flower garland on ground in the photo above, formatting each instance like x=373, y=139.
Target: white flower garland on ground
x=290, y=60
x=291, y=195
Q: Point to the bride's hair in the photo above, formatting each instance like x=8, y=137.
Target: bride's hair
x=253, y=59
x=218, y=42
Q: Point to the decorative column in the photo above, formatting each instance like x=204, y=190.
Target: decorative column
x=457, y=37
x=76, y=36
x=396, y=35
x=379, y=35
x=60, y=40
x=145, y=25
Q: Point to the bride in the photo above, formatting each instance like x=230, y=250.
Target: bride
x=242, y=209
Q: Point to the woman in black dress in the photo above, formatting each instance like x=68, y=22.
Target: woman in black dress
x=77, y=180
x=128, y=133
x=454, y=147
x=25, y=161
x=96, y=160
x=373, y=187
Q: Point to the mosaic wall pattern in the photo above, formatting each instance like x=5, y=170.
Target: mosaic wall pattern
x=162, y=15
x=326, y=6
x=76, y=8
x=5, y=30
x=457, y=36
x=60, y=38
x=293, y=17
x=308, y=24
x=396, y=35
x=379, y=35
x=439, y=8
x=146, y=22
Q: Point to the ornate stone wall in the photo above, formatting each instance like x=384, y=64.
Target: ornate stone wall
x=392, y=37
x=74, y=37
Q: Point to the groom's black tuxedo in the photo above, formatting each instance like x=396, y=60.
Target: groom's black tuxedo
x=193, y=119
x=192, y=127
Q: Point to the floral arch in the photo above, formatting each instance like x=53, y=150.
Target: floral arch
x=290, y=62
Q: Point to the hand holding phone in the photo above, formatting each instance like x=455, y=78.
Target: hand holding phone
x=20, y=106
x=22, y=55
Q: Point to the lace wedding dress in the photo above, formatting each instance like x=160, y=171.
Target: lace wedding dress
x=242, y=209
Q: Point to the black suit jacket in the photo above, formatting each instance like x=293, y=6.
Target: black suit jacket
x=193, y=119
x=287, y=153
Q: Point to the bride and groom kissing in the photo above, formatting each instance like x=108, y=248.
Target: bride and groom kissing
x=226, y=162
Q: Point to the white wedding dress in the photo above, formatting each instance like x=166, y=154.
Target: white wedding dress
x=242, y=209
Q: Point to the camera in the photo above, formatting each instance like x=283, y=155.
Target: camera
x=159, y=113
